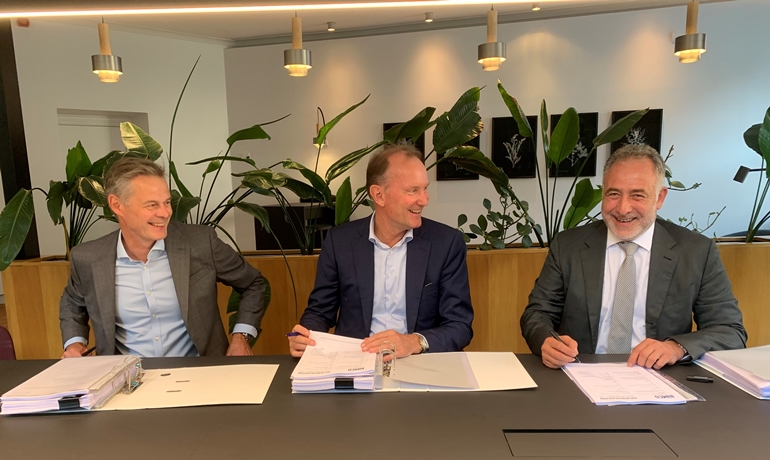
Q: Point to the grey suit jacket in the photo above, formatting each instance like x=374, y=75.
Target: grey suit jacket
x=687, y=280
x=198, y=260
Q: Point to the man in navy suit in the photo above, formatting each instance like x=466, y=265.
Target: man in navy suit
x=393, y=276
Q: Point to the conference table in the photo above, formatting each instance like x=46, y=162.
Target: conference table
x=553, y=420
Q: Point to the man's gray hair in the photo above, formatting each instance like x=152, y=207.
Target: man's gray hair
x=123, y=171
x=379, y=161
x=638, y=152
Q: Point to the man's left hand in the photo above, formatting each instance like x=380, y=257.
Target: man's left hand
x=656, y=354
x=239, y=346
x=406, y=344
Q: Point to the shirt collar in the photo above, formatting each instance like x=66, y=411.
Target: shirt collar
x=408, y=236
x=644, y=240
x=160, y=245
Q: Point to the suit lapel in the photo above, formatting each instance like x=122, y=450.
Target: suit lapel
x=663, y=259
x=364, y=269
x=417, y=256
x=103, y=271
x=592, y=258
x=178, y=252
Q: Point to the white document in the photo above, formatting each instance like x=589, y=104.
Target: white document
x=198, y=386
x=755, y=360
x=334, y=356
x=608, y=384
x=747, y=368
x=451, y=370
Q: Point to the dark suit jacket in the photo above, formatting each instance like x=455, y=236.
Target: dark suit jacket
x=198, y=260
x=438, y=303
x=687, y=280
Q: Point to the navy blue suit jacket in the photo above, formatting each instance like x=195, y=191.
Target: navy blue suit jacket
x=438, y=301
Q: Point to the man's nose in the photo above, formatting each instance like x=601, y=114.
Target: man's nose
x=165, y=211
x=423, y=198
x=624, y=205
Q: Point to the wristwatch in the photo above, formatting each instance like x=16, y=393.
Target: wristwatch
x=246, y=336
x=423, y=342
x=686, y=356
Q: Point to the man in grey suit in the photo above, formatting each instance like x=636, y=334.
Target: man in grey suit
x=149, y=289
x=631, y=283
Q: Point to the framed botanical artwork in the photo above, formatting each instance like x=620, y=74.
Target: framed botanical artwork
x=512, y=152
x=419, y=143
x=446, y=170
x=648, y=130
x=589, y=129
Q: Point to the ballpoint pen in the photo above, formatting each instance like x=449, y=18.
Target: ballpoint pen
x=293, y=334
x=556, y=336
x=88, y=351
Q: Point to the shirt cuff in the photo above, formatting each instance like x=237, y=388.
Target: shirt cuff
x=247, y=328
x=75, y=340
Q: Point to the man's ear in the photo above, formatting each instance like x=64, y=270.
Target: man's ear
x=661, y=197
x=115, y=205
x=377, y=194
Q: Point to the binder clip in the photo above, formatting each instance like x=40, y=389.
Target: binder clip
x=125, y=378
x=384, y=366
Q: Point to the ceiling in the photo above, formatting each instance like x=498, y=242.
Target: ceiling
x=252, y=28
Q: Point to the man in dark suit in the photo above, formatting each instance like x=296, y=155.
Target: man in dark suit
x=149, y=289
x=394, y=276
x=632, y=283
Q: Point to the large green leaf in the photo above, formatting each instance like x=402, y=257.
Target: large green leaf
x=544, y=132
x=620, y=128
x=78, y=163
x=252, y=133
x=138, y=141
x=751, y=138
x=213, y=166
x=172, y=169
x=411, y=129
x=261, y=180
x=303, y=190
x=525, y=129
x=461, y=124
x=222, y=158
x=15, y=221
x=92, y=188
x=343, y=206
x=182, y=205
x=100, y=166
x=564, y=137
x=764, y=141
x=340, y=166
x=585, y=199
x=55, y=200
x=315, y=180
x=256, y=211
x=328, y=126
x=471, y=159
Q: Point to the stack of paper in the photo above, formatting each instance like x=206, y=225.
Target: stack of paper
x=70, y=384
x=616, y=384
x=747, y=369
x=333, y=362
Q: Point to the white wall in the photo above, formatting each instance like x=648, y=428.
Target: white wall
x=54, y=68
x=602, y=63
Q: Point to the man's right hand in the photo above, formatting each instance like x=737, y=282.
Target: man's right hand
x=556, y=354
x=297, y=344
x=75, y=350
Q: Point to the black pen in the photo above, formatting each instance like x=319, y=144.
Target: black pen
x=88, y=352
x=556, y=336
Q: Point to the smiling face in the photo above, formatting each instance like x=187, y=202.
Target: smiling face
x=401, y=197
x=143, y=212
x=631, y=198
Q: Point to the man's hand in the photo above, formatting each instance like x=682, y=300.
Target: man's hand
x=75, y=350
x=556, y=354
x=297, y=344
x=239, y=346
x=656, y=354
x=406, y=344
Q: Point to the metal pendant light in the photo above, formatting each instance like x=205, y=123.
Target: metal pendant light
x=296, y=59
x=690, y=46
x=491, y=53
x=109, y=68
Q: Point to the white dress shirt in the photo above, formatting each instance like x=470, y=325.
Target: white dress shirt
x=613, y=258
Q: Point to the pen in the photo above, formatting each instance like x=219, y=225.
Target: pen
x=88, y=352
x=293, y=334
x=556, y=336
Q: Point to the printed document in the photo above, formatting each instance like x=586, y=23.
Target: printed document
x=609, y=384
x=334, y=356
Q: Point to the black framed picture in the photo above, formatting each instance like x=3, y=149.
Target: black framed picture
x=648, y=130
x=512, y=152
x=446, y=170
x=589, y=129
x=419, y=143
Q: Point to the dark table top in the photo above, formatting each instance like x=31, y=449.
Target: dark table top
x=730, y=424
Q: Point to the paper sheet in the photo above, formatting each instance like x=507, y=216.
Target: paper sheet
x=198, y=386
x=333, y=356
x=617, y=384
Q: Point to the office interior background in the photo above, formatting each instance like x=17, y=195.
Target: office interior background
x=594, y=63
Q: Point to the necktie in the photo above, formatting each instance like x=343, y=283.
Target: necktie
x=621, y=323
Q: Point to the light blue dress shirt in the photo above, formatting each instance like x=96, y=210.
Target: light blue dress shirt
x=389, y=306
x=613, y=259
